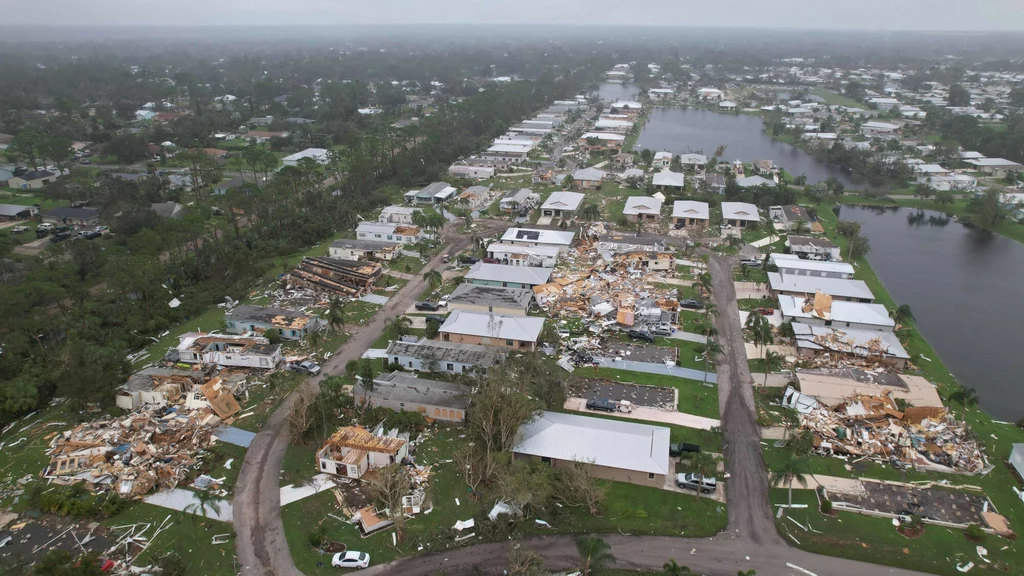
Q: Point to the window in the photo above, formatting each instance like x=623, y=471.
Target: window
x=323, y=465
x=828, y=322
x=450, y=367
x=490, y=308
x=510, y=343
x=504, y=284
x=376, y=235
x=437, y=412
x=389, y=237
x=650, y=475
x=545, y=459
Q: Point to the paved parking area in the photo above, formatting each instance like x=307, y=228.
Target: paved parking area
x=935, y=503
x=640, y=352
x=638, y=394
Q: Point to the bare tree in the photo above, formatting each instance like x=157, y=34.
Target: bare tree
x=499, y=411
x=524, y=563
x=578, y=488
x=302, y=415
x=467, y=461
x=387, y=489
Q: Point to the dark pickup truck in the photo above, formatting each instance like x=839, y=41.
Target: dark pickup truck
x=641, y=335
x=682, y=448
x=602, y=404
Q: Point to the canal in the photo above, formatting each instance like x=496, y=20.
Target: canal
x=682, y=131
x=964, y=285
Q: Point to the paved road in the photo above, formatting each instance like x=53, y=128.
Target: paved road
x=261, y=545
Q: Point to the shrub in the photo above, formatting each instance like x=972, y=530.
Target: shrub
x=317, y=537
x=975, y=533
x=826, y=506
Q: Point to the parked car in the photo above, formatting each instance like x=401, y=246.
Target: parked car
x=641, y=335
x=692, y=481
x=679, y=225
x=435, y=318
x=468, y=259
x=428, y=306
x=19, y=229
x=91, y=234
x=306, y=366
x=42, y=232
x=750, y=263
x=764, y=311
x=60, y=237
x=491, y=261
x=351, y=559
x=662, y=329
x=692, y=304
x=446, y=258
x=602, y=404
x=682, y=448
x=102, y=228
x=45, y=226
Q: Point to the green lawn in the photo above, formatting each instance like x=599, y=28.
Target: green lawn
x=628, y=508
x=407, y=264
x=834, y=99
x=694, y=397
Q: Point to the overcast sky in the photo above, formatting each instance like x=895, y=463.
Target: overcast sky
x=807, y=14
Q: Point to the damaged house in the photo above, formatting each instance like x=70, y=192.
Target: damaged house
x=388, y=232
x=291, y=324
x=346, y=249
x=513, y=255
x=821, y=310
x=351, y=278
x=352, y=451
x=557, y=239
x=834, y=347
x=515, y=332
x=812, y=248
x=402, y=391
x=449, y=357
x=240, y=351
x=156, y=386
x=491, y=300
x=792, y=264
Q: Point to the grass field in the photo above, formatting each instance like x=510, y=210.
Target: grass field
x=694, y=397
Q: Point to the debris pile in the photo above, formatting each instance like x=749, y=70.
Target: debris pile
x=872, y=426
x=150, y=448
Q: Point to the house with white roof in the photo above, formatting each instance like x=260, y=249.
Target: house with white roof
x=626, y=105
x=884, y=103
x=793, y=264
x=812, y=248
x=388, y=232
x=822, y=310
x=642, y=208
x=558, y=239
x=751, y=181
x=997, y=167
x=661, y=160
x=950, y=182
x=668, y=181
x=398, y=214
x=515, y=332
x=880, y=129
x=614, y=126
x=739, y=214
x=687, y=213
x=926, y=170
x=318, y=155
x=710, y=94
x=693, y=161
x=610, y=449
x=434, y=193
x=561, y=204
x=513, y=255
x=807, y=286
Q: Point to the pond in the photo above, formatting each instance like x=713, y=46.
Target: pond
x=615, y=92
x=681, y=131
x=964, y=286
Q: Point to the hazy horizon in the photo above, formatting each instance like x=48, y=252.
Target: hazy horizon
x=868, y=15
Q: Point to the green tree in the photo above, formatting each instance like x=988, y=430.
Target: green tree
x=204, y=503
x=859, y=246
x=903, y=315
x=709, y=350
x=366, y=374
x=800, y=180
x=793, y=469
x=959, y=96
x=772, y=363
x=760, y=330
x=705, y=464
x=671, y=568
x=595, y=553
x=590, y=212
x=399, y=326
x=966, y=397
x=25, y=146
x=433, y=279
x=987, y=210
x=336, y=313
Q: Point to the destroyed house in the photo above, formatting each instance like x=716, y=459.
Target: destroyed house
x=352, y=451
x=449, y=357
x=215, y=394
x=347, y=277
x=530, y=237
x=808, y=286
x=834, y=346
x=512, y=255
x=794, y=265
x=363, y=250
x=491, y=299
x=514, y=200
x=402, y=391
x=611, y=449
x=240, y=351
x=822, y=310
x=517, y=332
x=156, y=386
x=484, y=274
x=649, y=260
x=292, y=325
x=832, y=387
x=812, y=248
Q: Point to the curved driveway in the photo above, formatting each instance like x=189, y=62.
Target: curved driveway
x=751, y=541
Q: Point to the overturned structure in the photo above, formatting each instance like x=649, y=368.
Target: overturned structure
x=351, y=278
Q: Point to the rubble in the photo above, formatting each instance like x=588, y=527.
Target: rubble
x=871, y=426
x=151, y=448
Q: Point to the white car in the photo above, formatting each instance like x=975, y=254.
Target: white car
x=351, y=559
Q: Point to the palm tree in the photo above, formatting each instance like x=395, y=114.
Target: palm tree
x=315, y=339
x=595, y=553
x=705, y=464
x=709, y=349
x=772, y=362
x=433, y=279
x=760, y=329
x=399, y=326
x=673, y=569
x=793, y=469
x=967, y=397
x=590, y=212
x=336, y=313
x=203, y=501
x=710, y=310
x=903, y=315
